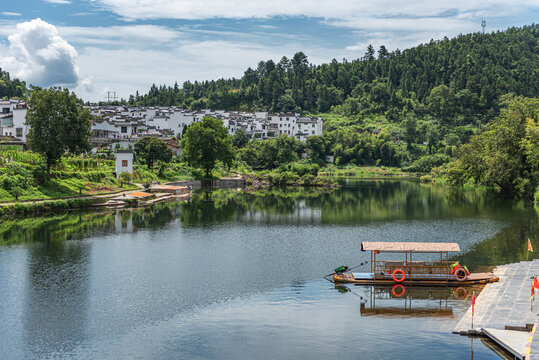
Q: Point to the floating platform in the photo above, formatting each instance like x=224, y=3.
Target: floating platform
x=505, y=313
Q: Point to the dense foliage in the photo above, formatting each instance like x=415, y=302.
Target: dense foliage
x=457, y=79
x=57, y=124
x=507, y=153
x=150, y=150
x=23, y=176
x=207, y=142
x=11, y=88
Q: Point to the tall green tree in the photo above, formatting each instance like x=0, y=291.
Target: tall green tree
x=57, y=124
x=410, y=128
x=150, y=150
x=316, y=149
x=240, y=139
x=207, y=142
x=506, y=153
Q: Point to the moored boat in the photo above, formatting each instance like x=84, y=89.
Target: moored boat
x=409, y=271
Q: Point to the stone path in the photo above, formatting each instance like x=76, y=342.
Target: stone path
x=503, y=303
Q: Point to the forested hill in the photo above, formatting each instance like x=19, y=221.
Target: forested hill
x=475, y=69
x=11, y=87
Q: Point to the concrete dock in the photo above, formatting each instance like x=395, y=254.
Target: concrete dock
x=503, y=312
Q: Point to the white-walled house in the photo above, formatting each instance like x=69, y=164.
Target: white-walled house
x=13, y=123
x=170, y=121
x=124, y=162
x=308, y=126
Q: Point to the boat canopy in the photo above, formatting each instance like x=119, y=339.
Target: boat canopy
x=408, y=246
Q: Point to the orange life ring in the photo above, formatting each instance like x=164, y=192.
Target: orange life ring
x=401, y=272
x=461, y=274
x=398, y=286
x=460, y=293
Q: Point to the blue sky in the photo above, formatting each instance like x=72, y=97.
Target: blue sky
x=95, y=46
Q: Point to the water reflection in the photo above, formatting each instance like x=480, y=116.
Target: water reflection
x=56, y=298
x=236, y=268
x=361, y=202
x=408, y=301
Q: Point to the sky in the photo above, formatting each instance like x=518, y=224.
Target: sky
x=97, y=46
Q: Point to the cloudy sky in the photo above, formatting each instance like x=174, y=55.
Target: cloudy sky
x=95, y=46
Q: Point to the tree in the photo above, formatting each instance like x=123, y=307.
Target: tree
x=441, y=102
x=125, y=178
x=57, y=124
x=410, y=128
x=207, y=142
x=240, y=139
x=369, y=54
x=506, y=153
x=285, y=103
x=16, y=191
x=149, y=150
x=316, y=149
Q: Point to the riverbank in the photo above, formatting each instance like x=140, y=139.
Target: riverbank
x=305, y=174
x=114, y=200
x=365, y=172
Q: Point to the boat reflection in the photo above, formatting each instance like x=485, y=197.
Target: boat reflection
x=404, y=301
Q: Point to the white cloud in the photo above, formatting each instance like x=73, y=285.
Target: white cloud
x=125, y=36
x=38, y=55
x=58, y=1
x=329, y=9
x=9, y=13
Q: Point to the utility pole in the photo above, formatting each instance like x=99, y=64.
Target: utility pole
x=483, y=25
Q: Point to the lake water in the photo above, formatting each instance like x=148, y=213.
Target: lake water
x=238, y=275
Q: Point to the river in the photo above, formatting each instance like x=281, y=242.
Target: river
x=235, y=274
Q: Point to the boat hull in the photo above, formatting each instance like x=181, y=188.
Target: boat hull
x=473, y=279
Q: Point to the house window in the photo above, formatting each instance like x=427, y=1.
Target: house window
x=313, y=132
x=18, y=132
x=124, y=163
x=124, y=130
x=280, y=125
x=287, y=119
x=313, y=125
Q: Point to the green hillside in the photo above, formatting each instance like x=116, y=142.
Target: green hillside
x=459, y=79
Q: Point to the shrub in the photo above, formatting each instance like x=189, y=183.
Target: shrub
x=8, y=182
x=427, y=162
x=308, y=180
x=125, y=178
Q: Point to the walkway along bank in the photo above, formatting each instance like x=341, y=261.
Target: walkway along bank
x=504, y=311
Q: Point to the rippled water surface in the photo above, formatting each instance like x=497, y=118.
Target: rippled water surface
x=238, y=275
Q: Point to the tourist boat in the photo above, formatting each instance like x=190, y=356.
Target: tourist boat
x=410, y=272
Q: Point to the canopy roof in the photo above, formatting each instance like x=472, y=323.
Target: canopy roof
x=408, y=246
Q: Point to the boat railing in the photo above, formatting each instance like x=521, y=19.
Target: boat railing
x=413, y=269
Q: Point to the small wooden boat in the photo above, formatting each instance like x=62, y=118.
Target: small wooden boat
x=410, y=272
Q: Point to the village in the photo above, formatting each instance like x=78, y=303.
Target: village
x=116, y=127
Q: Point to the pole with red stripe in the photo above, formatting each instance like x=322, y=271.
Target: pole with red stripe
x=473, y=306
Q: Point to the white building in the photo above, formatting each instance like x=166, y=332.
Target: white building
x=13, y=119
x=124, y=162
x=125, y=126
